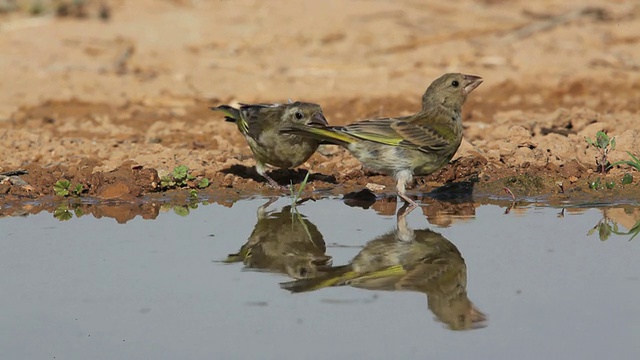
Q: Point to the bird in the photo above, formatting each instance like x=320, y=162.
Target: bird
x=260, y=124
x=407, y=260
x=405, y=146
x=283, y=242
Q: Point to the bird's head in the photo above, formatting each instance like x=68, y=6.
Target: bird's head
x=304, y=113
x=450, y=90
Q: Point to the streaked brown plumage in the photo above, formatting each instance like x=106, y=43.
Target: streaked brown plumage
x=261, y=126
x=412, y=145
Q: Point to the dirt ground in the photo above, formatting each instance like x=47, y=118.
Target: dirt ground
x=113, y=96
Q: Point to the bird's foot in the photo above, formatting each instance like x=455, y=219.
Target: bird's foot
x=274, y=184
x=408, y=201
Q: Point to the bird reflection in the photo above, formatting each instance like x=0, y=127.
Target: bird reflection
x=283, y=242
x=413, y=260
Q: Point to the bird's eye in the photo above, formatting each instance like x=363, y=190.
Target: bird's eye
x=455, y=83
x=299, y=115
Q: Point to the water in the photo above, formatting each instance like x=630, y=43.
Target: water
x=537, y=285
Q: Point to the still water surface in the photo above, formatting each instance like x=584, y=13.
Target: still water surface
x=528, y=284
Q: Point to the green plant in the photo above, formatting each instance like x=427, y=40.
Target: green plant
x=634, y=162
x=604, y=144
x=180, y=178
x=204, y=182
x=595, y=185
x=64, y=188
x=627, y=179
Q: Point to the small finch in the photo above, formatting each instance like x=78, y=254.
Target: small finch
x=412, y=145
x=261, y=124
x=407, y=260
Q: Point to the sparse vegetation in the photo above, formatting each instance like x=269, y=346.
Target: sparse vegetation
x=66, y=211
x=604, y=144
x=605, y=227
x=181, y=178
x=64, y=188
x=634, y=162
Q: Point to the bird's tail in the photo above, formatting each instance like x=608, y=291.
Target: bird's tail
x=232, y=115
x=340, y=276
x=327, y=134
x=335, y=277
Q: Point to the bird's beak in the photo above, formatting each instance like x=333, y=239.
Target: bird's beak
x=318, y=119
x=471, y=82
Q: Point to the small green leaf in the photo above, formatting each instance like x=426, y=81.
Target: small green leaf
x=627, y=179
x=602, y=139
x=613, y=143
x=61, y=187
x=180, y=172
x=77, y=190
x=193, y=193
x=203, y=183
x=610, y=185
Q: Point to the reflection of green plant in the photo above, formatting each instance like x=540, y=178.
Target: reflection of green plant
x=66, y=211
x=180, y=178
x=634, y=230
x=182, y=210
x=63, y=213
x=634, y=162
x=604, y=144
x=605, y=227
x=64, y=188
x=295, y=195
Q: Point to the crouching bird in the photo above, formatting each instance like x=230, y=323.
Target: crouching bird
x=261, y=126
x=405, y=146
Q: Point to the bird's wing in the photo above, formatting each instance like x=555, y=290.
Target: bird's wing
x=256, y=117
x=427, y=137
x=379, y=130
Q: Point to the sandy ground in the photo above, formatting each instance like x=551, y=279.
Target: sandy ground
x=114, y=103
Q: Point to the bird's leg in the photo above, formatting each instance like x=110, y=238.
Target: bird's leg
x=262, y=170
x=403, y=177
x=273, y=183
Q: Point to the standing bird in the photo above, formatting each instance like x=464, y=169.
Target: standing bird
x=261, y=125
x=412, y=145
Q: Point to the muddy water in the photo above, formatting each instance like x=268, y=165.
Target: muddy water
x=250, y=281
